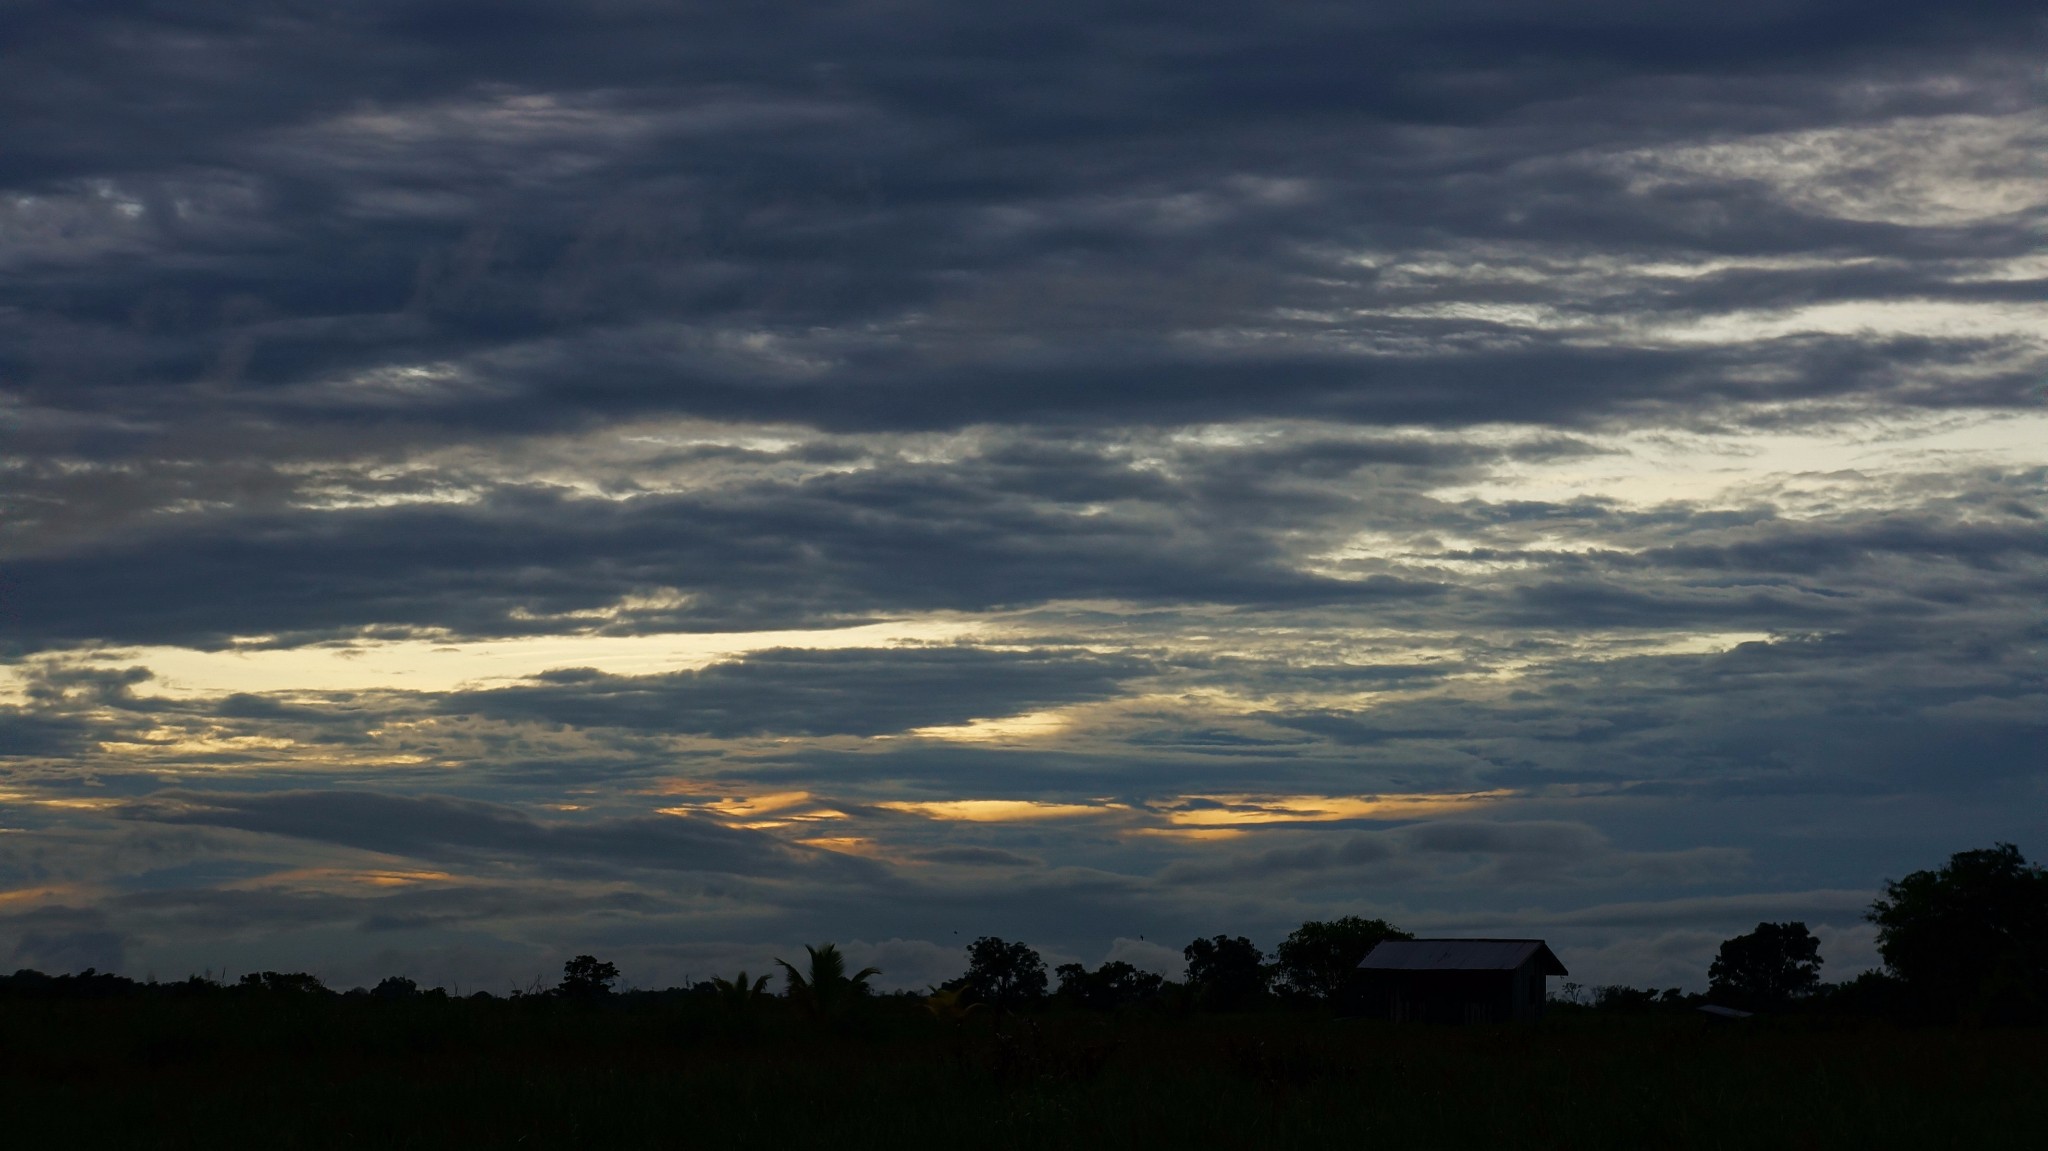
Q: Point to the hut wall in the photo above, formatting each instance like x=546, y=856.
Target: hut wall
x=1448, y=996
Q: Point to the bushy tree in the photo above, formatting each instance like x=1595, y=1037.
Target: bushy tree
x=1321, y=958
x=396, y=987
x=1768, y=967
x=1114, y=984
x=1005, y=974
x=585, y=977
x=1970, y=937
x=1226, y=973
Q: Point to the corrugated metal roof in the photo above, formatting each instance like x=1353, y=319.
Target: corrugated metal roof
x=1461, y=955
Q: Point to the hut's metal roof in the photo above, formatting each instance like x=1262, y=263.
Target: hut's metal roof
x=1461, y=955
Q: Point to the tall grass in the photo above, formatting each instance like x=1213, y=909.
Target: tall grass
x=323, y=1073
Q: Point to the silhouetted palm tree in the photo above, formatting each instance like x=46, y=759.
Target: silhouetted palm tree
x=827, y=989
x=738, y=993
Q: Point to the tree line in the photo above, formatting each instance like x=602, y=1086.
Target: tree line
x=1967, y=940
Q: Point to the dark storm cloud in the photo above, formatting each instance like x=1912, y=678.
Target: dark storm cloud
x=60, y=938
x=40, y=735
x=253, y=906
x=521, y=561
x=1357, y=851
x=928, y=217
x=1566, y=840
x=850, y=692
x=1890, y=708
x=975, y=857
x=434, y=827
x=1496, y=852
x=1833, y=547
x=1818, y=906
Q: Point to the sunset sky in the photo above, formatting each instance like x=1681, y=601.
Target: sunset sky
x=483, y=482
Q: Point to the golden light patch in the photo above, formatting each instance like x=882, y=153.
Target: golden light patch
x=1032, y=725
x=178, y=742
x=81, y=804
x=758, y=804
x=403, y=878
x=844, y=844
x=35, y=894
x=1233, y=810
x=780, y=809
x=433, y=663
x=1000, y=810
x=344, y=878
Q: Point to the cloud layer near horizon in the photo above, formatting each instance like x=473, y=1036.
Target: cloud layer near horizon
x=488, y=482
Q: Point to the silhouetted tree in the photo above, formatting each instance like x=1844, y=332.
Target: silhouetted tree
x=584, y=977
x=826, y=989
x=1114, y=984
x=738, y=993
x=1226, y=973
x=91, y=983
x=1618, y=997
x=395, y=987
x=1972, y=936
x=283, y=983
x=1872, y=993
x=1004, y=974
x=1769, y=967
x=1320, y=959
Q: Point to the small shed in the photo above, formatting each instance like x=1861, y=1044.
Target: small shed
x=1458, y=980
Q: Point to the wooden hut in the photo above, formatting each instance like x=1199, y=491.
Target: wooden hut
x=1458, y=980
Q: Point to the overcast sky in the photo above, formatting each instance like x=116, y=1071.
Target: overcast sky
x=482, y=482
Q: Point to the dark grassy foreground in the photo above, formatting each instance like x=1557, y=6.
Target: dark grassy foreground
x=222, y=1072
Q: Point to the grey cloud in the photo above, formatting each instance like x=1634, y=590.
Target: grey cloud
x=1526, y=839
x=1815, y=905
x=61, y=939
x=23, y=734
x=855, y=692
x=438, y=827
x=840, y=223
x=1357, y=851
x=1350, y=731
x=975, y=857
x=1522, y=845
x=1813, y=550
x=907, y=539
x=1489, y=854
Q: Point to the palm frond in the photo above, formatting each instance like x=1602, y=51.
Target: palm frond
x=797, y=982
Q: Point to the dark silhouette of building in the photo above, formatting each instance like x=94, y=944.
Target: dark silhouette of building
x=1458, y=980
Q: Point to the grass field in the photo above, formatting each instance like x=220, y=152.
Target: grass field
x=323, y=1073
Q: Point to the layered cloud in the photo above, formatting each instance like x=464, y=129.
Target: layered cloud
x=487, y=485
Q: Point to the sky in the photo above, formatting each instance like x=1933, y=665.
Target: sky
x=487, y=482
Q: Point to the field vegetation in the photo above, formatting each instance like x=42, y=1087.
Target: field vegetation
x=1949, y=1052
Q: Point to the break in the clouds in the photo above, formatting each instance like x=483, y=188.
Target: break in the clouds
x=486, y=483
